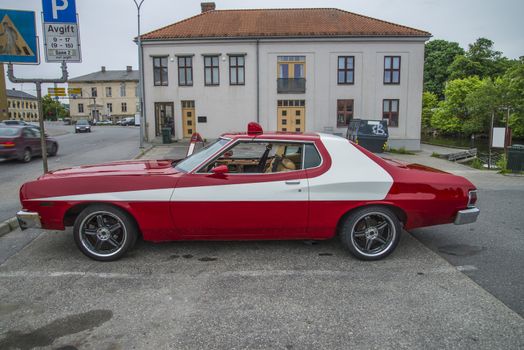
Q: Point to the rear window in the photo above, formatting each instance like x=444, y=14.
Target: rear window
x=9, y=132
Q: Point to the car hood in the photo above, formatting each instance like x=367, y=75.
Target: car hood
x=130, y=167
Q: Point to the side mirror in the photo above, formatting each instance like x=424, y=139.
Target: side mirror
x=219, y=170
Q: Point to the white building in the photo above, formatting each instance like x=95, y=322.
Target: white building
x=288, y=69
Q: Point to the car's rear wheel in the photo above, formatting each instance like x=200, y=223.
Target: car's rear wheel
x=54, y=150
x=104, y=233
x=27, y=155
x=371, y=233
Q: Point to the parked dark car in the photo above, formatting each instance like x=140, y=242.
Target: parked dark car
x=370, y=134
x=82, y=125
x=23, y=143
x=128, y=121
x=67, y=121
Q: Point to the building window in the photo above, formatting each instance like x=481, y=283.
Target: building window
x=109, y=108
x=80, y=108
x=346, y=69
x=211, y=73
x=344, y=112
x=392, y=70
x=122, y=89
x=237, y=70
x=17, y=104
x=124, y=107
x=93, y=92
x=109, y=92
x=185, y=71
x=160, y=71
x=390, y=112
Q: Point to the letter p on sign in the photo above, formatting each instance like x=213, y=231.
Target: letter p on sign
x=59, y=11
x=57, y=7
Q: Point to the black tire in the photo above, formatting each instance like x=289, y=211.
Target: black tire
x=371, y=233
x=76, y=131
x=54, y=150
x=27, y=155
x=104, y=232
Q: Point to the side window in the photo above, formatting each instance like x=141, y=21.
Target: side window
x=259, y=157
x=28, y=133
x=311, y=157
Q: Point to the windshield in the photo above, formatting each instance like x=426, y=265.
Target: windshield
x=9, y=131
x=195, y=159
x=82, y=122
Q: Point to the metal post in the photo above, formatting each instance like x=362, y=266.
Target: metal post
x=506, y=136
x=138, y=4
x=491, y=138
x=38, y=83
x=41, y=124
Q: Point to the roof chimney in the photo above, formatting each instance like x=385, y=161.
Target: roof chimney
x=103, y=68
x=129, y=68
x=207, y=6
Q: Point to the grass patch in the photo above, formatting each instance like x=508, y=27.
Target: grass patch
x=435, y=155
x=477, y=164
x=401, y=150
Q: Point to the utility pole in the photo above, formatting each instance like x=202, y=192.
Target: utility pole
x=138, y=4
x=38, y=83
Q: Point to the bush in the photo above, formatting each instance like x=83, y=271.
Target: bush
x=401, y=150
x=477, y=163
x=502, y=164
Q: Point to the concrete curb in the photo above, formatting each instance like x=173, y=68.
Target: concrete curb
x=8, y=225
x=143, y=151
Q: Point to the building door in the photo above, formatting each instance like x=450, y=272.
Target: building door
x=164, y=117
x=188, y=118
x=291, y=115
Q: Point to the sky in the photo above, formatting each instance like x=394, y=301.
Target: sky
x=107, y=27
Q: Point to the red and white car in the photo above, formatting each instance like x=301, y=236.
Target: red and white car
x=249, y=186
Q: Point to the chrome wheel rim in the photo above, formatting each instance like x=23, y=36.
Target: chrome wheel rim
x=27, y=155
x=103, y=233
x=373, y=233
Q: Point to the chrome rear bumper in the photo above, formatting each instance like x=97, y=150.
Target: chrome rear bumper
x=27, y=219
x=467, y=216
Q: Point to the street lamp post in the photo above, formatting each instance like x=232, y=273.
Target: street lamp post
x=138, y=4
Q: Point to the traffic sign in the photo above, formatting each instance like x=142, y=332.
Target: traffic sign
x=74, y=91
x=59, y=11
x=18, y=40
x=56, y=91
x=60, y=27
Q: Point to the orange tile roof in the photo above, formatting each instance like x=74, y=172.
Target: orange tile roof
x=312, y=22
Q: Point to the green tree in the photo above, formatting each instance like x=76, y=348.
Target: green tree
x=438, y=56
x=481, y=60
x=429, y=105
x=453, y=112
x=513, y=80
x=53, y=109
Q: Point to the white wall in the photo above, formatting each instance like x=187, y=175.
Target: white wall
x=230, y=108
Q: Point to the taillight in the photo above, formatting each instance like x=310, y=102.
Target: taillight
x=8, y=144
x=472, y=198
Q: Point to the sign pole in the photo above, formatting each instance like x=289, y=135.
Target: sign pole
x=43, y=145
x=38, y=83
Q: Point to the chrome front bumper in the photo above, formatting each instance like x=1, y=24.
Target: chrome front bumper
x=27, y=219
x=467, y=216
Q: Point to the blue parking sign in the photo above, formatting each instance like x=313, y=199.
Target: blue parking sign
x=59, y=11
x=18, y=40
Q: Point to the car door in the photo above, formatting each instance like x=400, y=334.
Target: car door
x=32, y=140
x=247, y=204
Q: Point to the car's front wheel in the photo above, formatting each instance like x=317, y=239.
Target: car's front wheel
x=104, y=233
x=371, y=233
x=54, y=150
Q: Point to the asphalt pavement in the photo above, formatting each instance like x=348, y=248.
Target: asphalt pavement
x=490, y=251
x=103, y=144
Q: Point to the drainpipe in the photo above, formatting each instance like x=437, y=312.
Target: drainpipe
x=258, y=85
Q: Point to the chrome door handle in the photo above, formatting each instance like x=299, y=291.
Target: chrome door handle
x=293, y=182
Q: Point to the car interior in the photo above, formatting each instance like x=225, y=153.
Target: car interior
x=259, y=157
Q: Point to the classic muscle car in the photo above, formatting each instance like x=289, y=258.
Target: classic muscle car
x=249, y=186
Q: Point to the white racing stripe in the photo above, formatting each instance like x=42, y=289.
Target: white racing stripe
x=352, y=176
